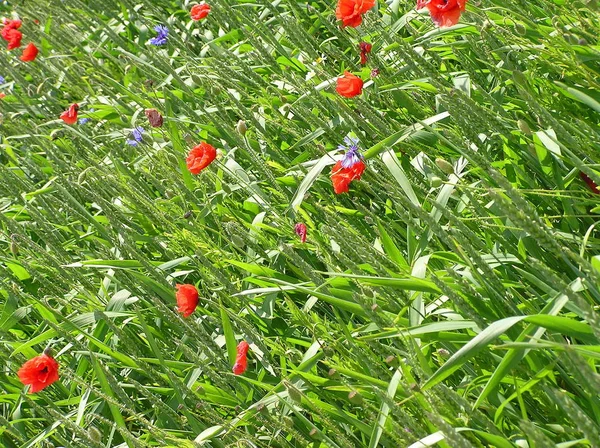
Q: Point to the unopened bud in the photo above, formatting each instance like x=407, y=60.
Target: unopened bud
x=444, y=165
x=14, y=247
x=435, y=181
x=355, y=397
x=241, y=127
x=443, y=352
x=524, y=127
x=94, y=434
x=154, y=118
x=294, y=393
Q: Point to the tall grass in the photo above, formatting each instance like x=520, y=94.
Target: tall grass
x=428, y=306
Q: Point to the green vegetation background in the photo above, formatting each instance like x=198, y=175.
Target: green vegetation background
x=454, y=306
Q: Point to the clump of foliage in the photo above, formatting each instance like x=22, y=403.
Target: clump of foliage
x=450, y=297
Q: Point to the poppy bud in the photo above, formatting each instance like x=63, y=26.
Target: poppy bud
x=332, y=372
x=444, y=165
x=365, y=49
x=300, y=230
x=355, y=398
x=443, y=352
x=14, y=247
x=435, y=181
x=241, y=127
x=241, y=359
x=390, y=359
x=520, y=29
x=294, y=393
x=524, y=127
x=154, y=118
x=95, y=435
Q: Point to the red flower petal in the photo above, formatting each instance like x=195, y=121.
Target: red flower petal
x=39, y=372
x=30, y=53
x=350, y=11
x=300, y=230
x=70, y=115
x=349, y=85
x=187, y=299
x=199, y=12
x=200, y=157
x=342, y=177
x=443, y=12
x=241, y=360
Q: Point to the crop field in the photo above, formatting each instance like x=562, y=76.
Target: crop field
x=344, y=223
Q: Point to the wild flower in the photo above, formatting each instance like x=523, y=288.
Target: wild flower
x=349, y=168
x=39, y=372
x=137, y=135
x=241, y=360
x=200, y=157
x=161, y=37
x=187, y=299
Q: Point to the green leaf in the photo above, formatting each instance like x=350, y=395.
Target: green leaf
x=385, y=410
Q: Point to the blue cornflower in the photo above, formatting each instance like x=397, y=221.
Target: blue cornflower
x=161, y=37
x=352, y=156
x=85, y=119
x=137, y=136
x=2, y=80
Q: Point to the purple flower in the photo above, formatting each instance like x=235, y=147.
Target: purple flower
x=137, y=136
x=2, y=80
x=352, y=156
x=161, y=37
x=84, y=120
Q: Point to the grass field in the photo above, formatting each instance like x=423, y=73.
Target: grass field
x=450, y=298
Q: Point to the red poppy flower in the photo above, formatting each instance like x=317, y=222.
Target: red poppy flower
x=30, y=53
x=350, y=11
x=300, y=230
x=443, y=12
x=39, y=372
x=198, y=12
x=2, y=95
x=69, y=116
x=187, y=299
x=9, y=25
x=154, y=118
x=14, y=39
x=200, y=157
x=349, y=85
x=365, y=49
x=341, y=177
x=590, y=183
x=241, y=360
